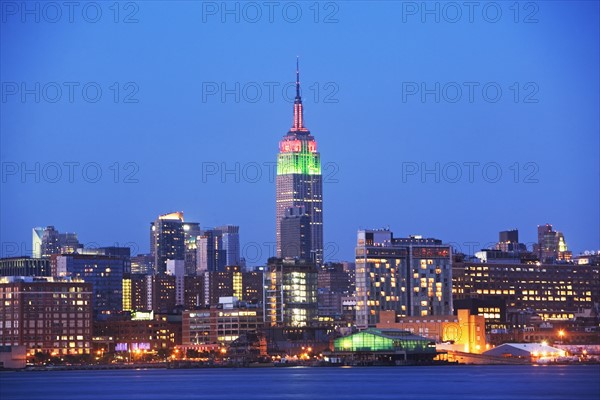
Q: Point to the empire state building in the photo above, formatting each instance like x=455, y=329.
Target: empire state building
x=299, y=184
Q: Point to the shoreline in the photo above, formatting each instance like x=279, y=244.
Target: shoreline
x=191, y=365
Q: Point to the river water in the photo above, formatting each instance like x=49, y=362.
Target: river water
x=369, y=383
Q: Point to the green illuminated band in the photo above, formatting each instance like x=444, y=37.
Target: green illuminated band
x=299, y=163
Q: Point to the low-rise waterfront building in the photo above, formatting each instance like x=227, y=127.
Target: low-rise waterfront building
x=48, y=315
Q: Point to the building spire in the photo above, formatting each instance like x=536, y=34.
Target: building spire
x=298, y=78
x=298, y=112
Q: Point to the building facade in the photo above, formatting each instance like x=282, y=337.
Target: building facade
x=232, y=282
x=299, y=182
x=553, y=291
x=105, y=273
x=333, y=282
x=411, y=276
x=295, y=233
x=25, y=266
x=230, y=238
x=291, y=293
x=221, y=324
x=46, y=315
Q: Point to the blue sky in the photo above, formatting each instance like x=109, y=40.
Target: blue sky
x=163, y=133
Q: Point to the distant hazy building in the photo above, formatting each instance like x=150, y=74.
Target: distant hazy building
x=551, y=246
x=291, y=293
x=295, y=231
x=48, y=241
x=411, y=276
x=25, y=266
x=47, y=315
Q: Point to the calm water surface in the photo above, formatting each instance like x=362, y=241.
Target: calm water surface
x=368, y=383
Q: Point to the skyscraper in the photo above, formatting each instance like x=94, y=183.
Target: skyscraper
x=167, y=240
x=218, y=248
x=299, y=182
x=192, y=231
x=210, y=253
x=230, y=236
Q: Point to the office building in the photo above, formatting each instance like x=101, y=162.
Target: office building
x=411, y=276
x=291, y=293
x=232, y=282
x=105, y=273
x=230, y=238
x=299, y=182
x=25, y=266
x=218, y=248
x=333, y=283
x=142, y=264
x=223, y=323
x=211, y=255
x=191, y=231
x=167, y=240
x=553, y=291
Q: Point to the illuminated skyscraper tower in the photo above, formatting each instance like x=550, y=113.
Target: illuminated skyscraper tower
x=299, y=182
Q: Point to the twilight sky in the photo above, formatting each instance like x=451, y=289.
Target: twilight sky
x=455, y=124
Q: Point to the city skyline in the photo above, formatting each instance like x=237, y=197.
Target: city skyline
x=358, y=107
